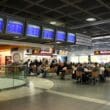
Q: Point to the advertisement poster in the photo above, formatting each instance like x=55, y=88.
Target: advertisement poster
x=8, y=60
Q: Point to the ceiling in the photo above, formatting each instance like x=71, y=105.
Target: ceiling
x=68, y=13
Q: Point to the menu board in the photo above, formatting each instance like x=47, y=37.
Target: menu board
x=1, y=24
x=14, y=27
x=33, y=30
x=71, y=38
x=60, y=36
x=48, y=33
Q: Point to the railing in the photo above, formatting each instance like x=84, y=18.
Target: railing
x=12, y=76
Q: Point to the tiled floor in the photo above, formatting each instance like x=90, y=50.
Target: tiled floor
x=42, y=94
x=100, y=90
x=10, y=82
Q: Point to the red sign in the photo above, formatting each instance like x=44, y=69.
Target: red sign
x=39, y=51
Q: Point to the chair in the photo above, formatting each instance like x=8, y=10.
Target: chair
x=79, y=76
x=95, y=76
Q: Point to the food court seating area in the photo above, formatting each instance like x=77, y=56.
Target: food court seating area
x=86, y=73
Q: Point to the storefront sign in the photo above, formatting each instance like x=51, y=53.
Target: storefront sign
x=63, y=52
x=46, y=50
x=102, y=52
x=42, y=51
x=36, y=51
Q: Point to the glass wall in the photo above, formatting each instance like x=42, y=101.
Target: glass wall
x=100, y=58
x=12, y=76
x=83, y=59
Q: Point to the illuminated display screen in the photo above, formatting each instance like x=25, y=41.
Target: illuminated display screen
x=1, y=25
x=60, y=36
x=15, y=27
x=71, y=38
x=48, y=34
x=33, y=30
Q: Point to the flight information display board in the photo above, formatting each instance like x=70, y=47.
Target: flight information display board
x=1, y=24
x=14, y=27
x=33, y=30
x=60, y=36
x=71, y=38
x=48, y=33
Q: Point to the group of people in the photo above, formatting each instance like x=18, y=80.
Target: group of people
x=84, y=73
x=90, y=73
x=39, y=67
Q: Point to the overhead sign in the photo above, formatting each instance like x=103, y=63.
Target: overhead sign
x=33, y=30
x=1, y=24
x=14, y=27
x=36, y=51
x=82, y=39
x=71, y=38
x=60, y=36
x=48, y=34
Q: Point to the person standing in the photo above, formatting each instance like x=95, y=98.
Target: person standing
x=101, y=73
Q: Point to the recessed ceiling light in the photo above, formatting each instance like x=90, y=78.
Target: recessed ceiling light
x=58, y=42
x=84, y=32
x=16, y=37
x=91, y=19
x=53, y=22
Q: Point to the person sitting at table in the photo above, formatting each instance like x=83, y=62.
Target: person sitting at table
x=87, y=74
x=63, y=70
x=79, y=73
x=95, y=73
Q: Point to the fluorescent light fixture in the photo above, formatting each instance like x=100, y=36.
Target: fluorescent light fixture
x=84, y=32
x=53, y=22
x=91, y=19
x=101, y=37
x=101, y=43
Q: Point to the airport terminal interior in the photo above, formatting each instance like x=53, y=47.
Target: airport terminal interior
x=55, y=54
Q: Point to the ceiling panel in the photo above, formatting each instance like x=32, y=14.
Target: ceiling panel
x=73, y=1
x=105, y=16
x=66, y=19
x=53, y=14
x=71, y=13
x=17, y=3
x=106, y=2
x=86, y=4
x=82, y=16
x=37, y=9
x=10, y=10
x=24, y=14
x=69, y=10
x=52, y=3
x=100, y=10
